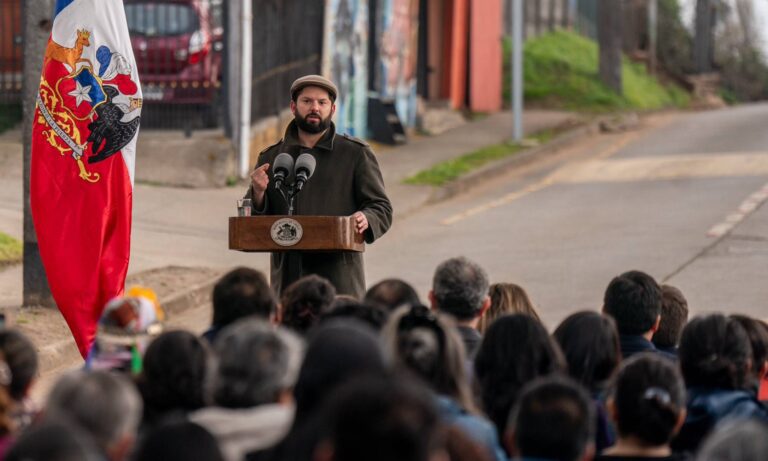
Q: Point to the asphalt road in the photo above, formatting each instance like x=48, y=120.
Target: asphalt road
x=682, y=198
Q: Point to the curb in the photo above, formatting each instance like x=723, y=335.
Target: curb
x=500, y=167
x=64, y=353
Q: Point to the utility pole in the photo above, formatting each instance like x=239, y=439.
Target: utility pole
x=609, y=22
x=517, y=69
x=702, y=44
x=37, y=21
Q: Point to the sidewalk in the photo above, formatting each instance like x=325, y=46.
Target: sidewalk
x=187, y=228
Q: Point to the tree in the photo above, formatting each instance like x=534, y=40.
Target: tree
x=37, y=27
x=703, y=49
x=609, y=22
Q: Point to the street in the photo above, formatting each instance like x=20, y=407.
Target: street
x=639, y=200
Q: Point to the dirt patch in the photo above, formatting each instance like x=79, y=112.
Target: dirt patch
x=47, y=329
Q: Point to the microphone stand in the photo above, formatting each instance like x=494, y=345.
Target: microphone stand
x=289, y=193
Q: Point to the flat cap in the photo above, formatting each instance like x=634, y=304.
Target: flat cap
x=314, y=80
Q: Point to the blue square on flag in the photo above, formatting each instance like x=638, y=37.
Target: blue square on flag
x=82, y=93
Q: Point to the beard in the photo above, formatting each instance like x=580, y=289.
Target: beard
x=312, y=127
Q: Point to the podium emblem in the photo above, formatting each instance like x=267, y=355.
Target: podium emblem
x=286, y=232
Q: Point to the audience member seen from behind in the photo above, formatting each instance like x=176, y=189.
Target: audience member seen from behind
x=590, y=344
x=506, y=298
x=54, y=441
x=105, y=404
x=674, y=315
x=375, y=419
x=516, y=349
x=736, y=441
x=21, y=357
x=716, y=359
x=633, y=299
x=337, y=352
x=302, y=303
x=174, y=376
x=242, y=292
x=757, y=331
x=426, y=344
x=7, y=426
x=372, y=315
x=178, y=441
x=460, y=288
x=252, y=387
x=648, y=406
x=553, y=420
x=391, y=294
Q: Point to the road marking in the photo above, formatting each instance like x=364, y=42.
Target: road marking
x=541, y=184
x=745, y=209
x=600, y=169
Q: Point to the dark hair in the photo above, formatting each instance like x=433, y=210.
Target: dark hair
x=173, y=375
x=633, y=299
x=757, y=331
x=242, y=292
x=21, y=357
x=649, y=395
x=391, y=294
x=590, y=343
x=554, y=419
x=382, y=419
x=428, y=345
x=179, y=440
x=674, y=314
x=304, y=300
x=515, y=350
x=53, y=440
x=459, y=288
x=714, y=353
x=373, y=316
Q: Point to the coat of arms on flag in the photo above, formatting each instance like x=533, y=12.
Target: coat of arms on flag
x=83, y=155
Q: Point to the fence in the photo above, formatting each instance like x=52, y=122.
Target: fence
x=287, y=43
x=10, y=62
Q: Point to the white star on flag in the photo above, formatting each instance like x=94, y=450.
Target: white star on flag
x=81, y=93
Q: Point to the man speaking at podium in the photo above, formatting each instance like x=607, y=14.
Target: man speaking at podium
x=346, y=181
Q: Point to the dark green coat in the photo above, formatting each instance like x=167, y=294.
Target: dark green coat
x=347, y=179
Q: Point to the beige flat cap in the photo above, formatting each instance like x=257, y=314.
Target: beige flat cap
x=314, y=80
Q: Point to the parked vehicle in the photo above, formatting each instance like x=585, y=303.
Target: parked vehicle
x=10, y=51
x=178, y=49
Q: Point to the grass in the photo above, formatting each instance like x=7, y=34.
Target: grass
x=561, y=71
x=10, y=250
x=449, y=170
x=10, y=115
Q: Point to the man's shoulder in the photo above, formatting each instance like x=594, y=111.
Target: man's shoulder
x=271, y=149
x=348, y=138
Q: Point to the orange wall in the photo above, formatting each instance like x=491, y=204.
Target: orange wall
x=458, y=61
x=485, y=55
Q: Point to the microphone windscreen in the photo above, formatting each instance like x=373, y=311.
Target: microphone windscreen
x=284, y=163
x=306, y=162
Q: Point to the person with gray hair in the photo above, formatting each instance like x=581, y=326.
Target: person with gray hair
x=252, y=384
x=460, y=288
x=105, y=405
x=736, y=441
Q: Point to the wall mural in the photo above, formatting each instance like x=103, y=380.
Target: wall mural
x=345, y=61
x=397, y=43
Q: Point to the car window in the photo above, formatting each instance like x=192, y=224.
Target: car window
x=161, y=19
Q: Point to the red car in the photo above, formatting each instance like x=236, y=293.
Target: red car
x=178, y=48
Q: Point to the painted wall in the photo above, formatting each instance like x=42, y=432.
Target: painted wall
x=397, y=45
x=345, y=62
x=485, y=55
x=458, y=21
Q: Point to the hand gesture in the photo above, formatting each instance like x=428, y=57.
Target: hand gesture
x=259, y=179
x=361, y=222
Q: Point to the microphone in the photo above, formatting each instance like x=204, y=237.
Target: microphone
x=282, y=168
x=305, y=166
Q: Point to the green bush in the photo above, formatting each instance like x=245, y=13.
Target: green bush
x=560, y=71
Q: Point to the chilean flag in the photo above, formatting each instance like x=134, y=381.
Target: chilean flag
x=83, y=155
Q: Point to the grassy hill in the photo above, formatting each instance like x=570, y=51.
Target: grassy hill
x=560, y=71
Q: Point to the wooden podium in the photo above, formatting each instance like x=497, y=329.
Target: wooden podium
x=294, y=233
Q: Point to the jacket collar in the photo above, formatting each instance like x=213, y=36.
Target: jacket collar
x=291, y=137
